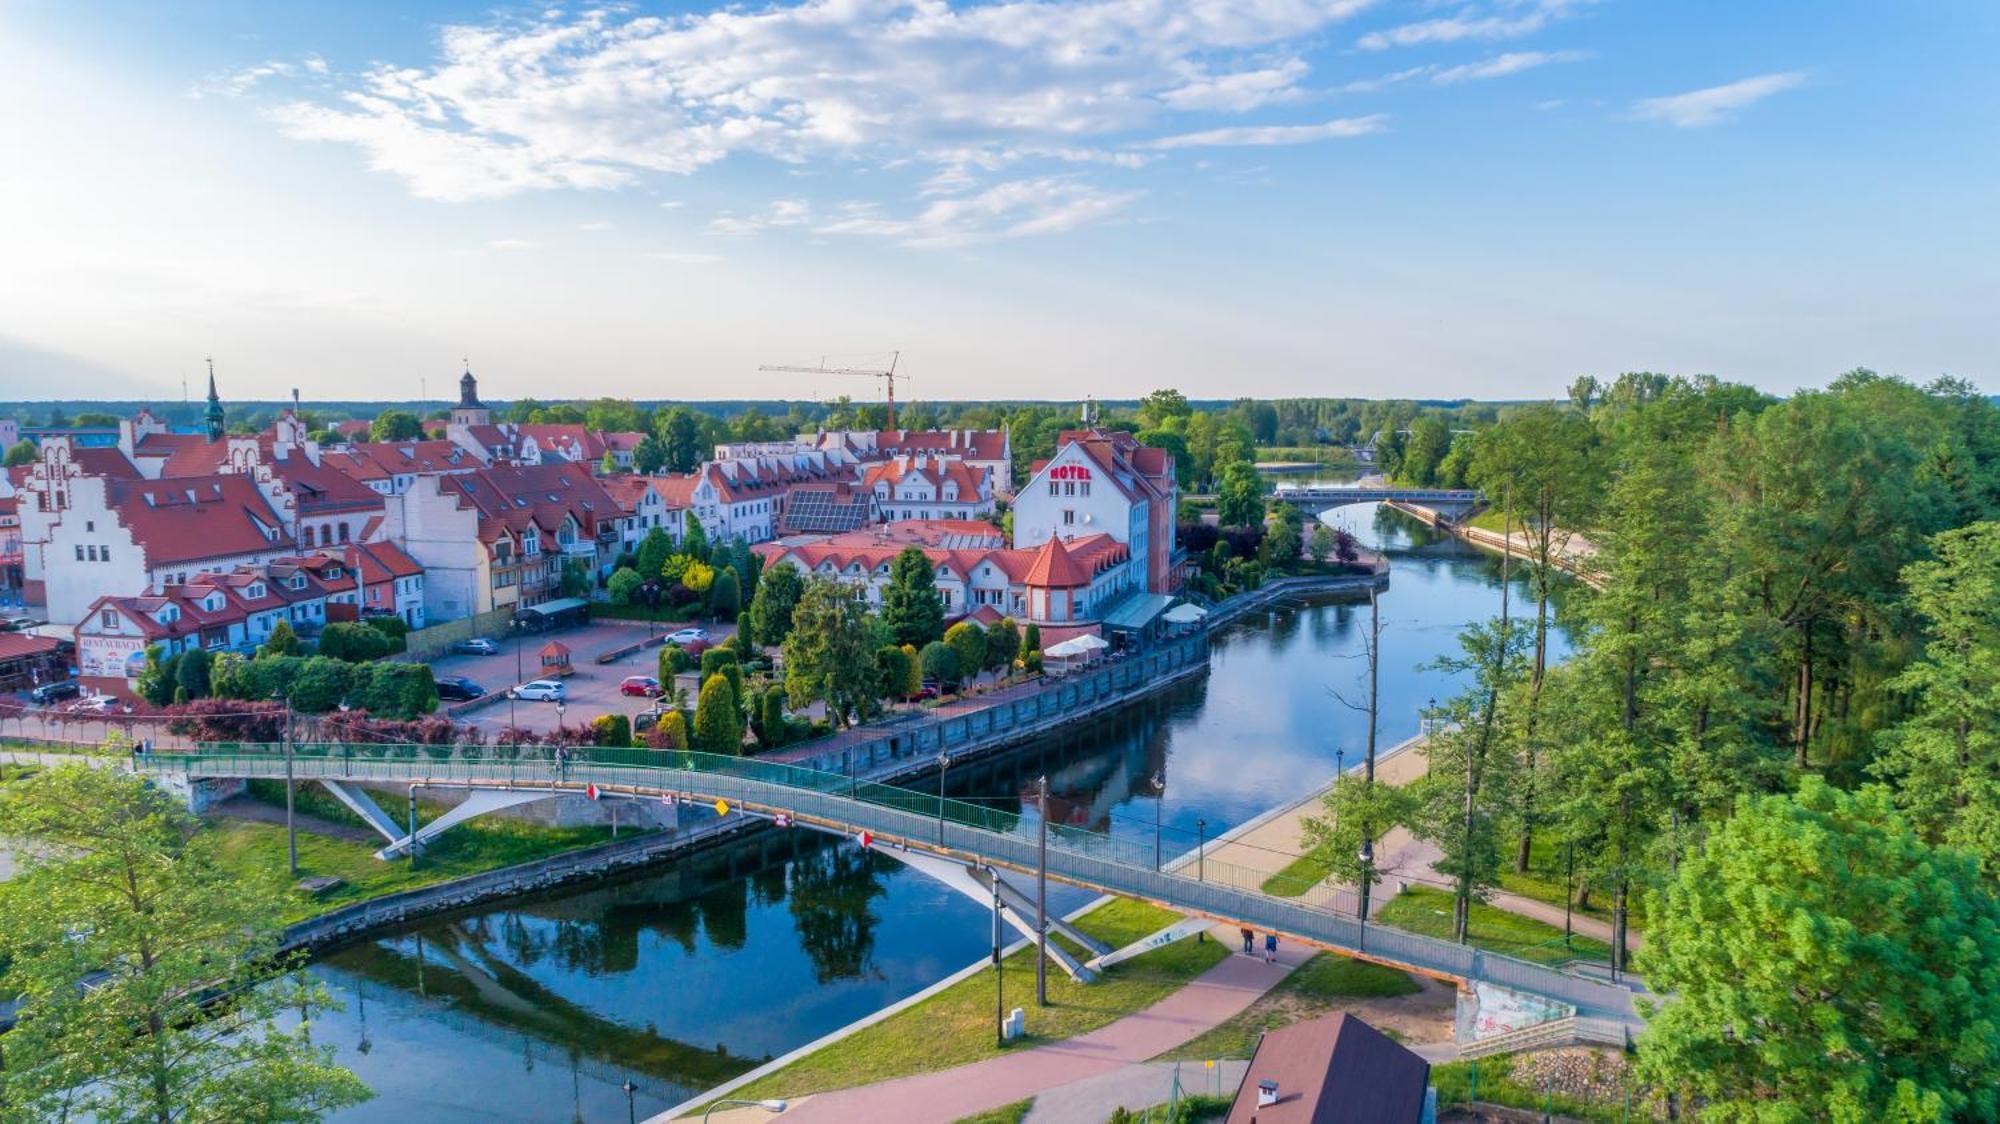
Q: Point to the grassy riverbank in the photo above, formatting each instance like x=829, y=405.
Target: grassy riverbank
x=1317, y=987
x=955, y=1026
x=1421, y=909
x=256, y=850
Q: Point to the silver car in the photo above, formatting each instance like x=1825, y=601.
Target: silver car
x=540, y=690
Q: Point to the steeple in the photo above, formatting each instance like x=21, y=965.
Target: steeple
x=469, y=411
x=214, y=415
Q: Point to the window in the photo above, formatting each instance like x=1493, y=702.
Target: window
x=1069, y=515
x=110, y=618
x=1069, y=487
x=104, y=554
x=1082, y=488
x=1055, y=488
x=79, y=554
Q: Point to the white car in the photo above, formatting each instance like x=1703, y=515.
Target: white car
x=689, y=636
x=541, y=690
x=95, y=704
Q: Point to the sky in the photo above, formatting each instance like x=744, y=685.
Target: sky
x=1026, y=198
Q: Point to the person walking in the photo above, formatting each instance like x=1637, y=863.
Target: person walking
x=1270, y=948
x=1249, y=941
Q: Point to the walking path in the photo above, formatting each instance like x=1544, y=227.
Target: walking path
x=947, y=1095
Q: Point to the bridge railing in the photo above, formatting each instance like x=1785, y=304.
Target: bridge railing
x=1117, y=865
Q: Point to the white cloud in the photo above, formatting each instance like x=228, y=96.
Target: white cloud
x=1506, y=21
x=1017, y=209
x=1276, y=134
x=684, y=257
x=1371, y=85
x=505, y=244
x=1500, y=66
x=1697, y=108
x=784, y=212
x=596, y=100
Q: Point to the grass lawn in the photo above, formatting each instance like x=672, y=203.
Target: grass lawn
x=1299, y=875
x=1545, y=882
x=956, y=1025
x=1315, y=988
x=1005, y=1114
x=488, y=843
x=1421, y=909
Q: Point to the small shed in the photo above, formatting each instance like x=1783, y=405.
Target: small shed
x=555, y=658
x=1333, y=1070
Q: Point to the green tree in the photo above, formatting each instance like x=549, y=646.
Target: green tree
x=694, y=538
x=353, y=642
x=612, y=730
x=129, y=907
x=1003, y=640
x=1031, y=642
x=910, y=604
x=940, y=662
x=776, y=727
x=281, y=642
x=623, y=585
x=968, y=641
x=321, y=685
x=724, y=595
x=191, y=673
x=681, y=435
x=892, y=672
x=828, y=654
x=1430, y=439
x=1281, y=543
x=718, y=717
x=395, y=425
x=1159, y=406
x=1824, y=963
x=654, y=549
x=771, y=606
x=1239, y=496
x=1945, y=757
x=159, y=677
x=22, y=452
x=673, y=661
x=1320, y=544
x=649, y=455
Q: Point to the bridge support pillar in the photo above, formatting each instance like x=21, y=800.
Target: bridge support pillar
x=361, y=804
x=476, y=803
x=1018, y=911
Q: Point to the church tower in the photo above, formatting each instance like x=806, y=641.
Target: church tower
x=214, y=416
x=469, y=411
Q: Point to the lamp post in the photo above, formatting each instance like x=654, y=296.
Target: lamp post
x=767, y=1106
x=944, y=762
x=1200, y=849
x=519, y=639
x=631, y=1110
x=1339, y=770
x=291, y=828
x=1159, y=798
x=1042, y=896
x=413, y=827
x=999, y=978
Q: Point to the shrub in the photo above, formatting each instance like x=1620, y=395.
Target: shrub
x=395, y=628
x=723, y=661
x=191, y=673
x=673, y=661
x=611, y=730
x=355, y=643
x=227, y=720
x=777, y=728
x=892, y=670
x=282, y=641
x=394, y=690
x=725, y=596
x=321, y=684
x=968, y=641
x=670, y=733
x=718, y=719
x=1003, y=640
x=623, y=585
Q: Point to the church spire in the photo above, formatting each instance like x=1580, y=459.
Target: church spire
x=214, y=415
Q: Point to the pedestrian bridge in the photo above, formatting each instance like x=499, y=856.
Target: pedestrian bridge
x=1452, y=501
x=905, y=819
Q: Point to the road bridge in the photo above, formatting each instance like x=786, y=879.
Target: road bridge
x=967, y=833
x=1452, y=501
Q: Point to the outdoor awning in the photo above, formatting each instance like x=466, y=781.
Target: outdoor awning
x=559, y=605
x=1187, y=612
x=1137, y=611
x=1077, y=646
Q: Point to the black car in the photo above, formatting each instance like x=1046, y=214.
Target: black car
x=457, y=688
x=56, y=692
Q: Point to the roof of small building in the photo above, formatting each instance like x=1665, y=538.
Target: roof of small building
x=187, y=520
x=1333, y=1070
x=1055, y=569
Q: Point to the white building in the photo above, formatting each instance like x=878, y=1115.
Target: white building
x=1105, y=482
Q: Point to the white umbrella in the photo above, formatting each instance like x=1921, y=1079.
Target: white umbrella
x=1185, y=613
x=1076, y=646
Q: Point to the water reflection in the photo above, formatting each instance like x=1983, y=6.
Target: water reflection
x=540, y=1008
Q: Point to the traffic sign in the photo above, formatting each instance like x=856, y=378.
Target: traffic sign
x=722, y=807
x=867, y=838
x=782, y=819
x=590, y=791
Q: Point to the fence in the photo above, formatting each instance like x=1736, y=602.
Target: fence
x=846, y=803
x=426, y=643
x=1271, y=592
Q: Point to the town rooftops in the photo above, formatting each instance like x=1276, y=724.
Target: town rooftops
x=192, y=519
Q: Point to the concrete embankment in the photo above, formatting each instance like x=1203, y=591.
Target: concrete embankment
x=1575, y=556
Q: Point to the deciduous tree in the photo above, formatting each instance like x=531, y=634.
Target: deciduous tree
x=910, y=604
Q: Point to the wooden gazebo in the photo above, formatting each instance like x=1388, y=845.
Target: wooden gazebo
x=555, y=658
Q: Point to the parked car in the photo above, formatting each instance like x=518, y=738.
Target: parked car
x=457, y=688
x=477, y=646
x=540, y=690
x=647, y=719
x=19, y=624
x=95, y=704
x=644, y=686
x=56, y=692
x=687, y=636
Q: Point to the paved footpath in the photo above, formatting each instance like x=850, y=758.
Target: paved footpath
x=1211, y=999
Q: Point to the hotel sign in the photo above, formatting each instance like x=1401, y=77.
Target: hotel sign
x=1069, y=472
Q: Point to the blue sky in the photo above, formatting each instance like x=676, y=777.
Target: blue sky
x=1028, y=199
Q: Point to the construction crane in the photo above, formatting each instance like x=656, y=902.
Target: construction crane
x=887, y=376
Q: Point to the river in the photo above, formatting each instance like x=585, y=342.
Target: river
x=541, y=1008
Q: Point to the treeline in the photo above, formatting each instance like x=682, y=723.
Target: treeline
x=1777, y=742
x=347, y=672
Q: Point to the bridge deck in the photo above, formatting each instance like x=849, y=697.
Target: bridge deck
x=902, y=817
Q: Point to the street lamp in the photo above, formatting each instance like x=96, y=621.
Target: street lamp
x=944, y=762
x=631, y=1112
x=1200, y=855
x=1159, y=785
x=767, y=1106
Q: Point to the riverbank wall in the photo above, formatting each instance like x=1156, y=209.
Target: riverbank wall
x=1579, y=564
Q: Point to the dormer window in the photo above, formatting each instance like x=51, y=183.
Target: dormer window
x=298, y=581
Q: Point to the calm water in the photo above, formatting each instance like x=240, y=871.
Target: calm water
x=539, y=1009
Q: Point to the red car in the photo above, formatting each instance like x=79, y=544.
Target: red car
x=644, y=686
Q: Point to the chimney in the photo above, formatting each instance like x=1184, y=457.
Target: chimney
x=1267, y=1094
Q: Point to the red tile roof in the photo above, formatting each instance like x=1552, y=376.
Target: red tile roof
x=183, y=454
x=190, y=520
x=379, y=460
x=1055, y=569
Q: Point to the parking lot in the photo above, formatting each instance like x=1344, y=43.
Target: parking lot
x=592, y=686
